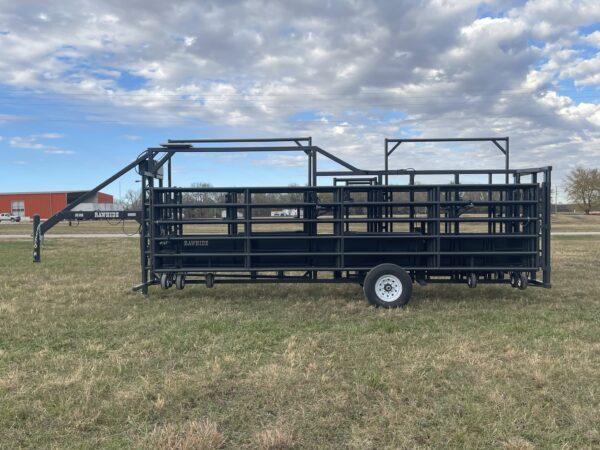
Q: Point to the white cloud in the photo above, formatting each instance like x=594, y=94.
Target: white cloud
x=50, y=136
x=585, y=72
x=373, y=68
x=288, y=161
x=593, y=39
x=26, y=142
x=58, y=151
x=32, y=143
x=8, y=118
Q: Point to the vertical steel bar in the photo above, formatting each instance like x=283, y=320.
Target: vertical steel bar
x=154, y=228
x=143, y=231
x=37, y=239
x=247, y=229
x=438, y=231
x=314, y=164
x=169, y=173
x=386, y=161
x=456, y=199
x=411, y=209
x=489, y=206
x=547, y=228
x=309, y=154
x=341, y=226
x=507, y=163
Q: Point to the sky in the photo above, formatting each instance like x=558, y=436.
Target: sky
x=86, y=85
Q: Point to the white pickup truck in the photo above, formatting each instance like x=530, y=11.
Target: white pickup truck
x=7, y=217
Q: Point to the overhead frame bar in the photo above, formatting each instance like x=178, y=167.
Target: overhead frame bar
x=505, y=149
x=186, y=146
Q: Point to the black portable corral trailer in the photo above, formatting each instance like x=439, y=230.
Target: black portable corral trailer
x=477, y=226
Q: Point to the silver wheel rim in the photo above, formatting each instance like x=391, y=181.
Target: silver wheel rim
x=388, y=288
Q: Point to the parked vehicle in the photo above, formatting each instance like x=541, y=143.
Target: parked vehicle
x=7, y=217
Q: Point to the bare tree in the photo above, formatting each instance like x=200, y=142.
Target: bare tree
x=583, y=187
x=203, y=198
x=133, y=200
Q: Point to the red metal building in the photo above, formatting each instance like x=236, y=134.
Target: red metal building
x=26, y=204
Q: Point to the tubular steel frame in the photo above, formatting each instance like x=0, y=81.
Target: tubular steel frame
x=420, y=227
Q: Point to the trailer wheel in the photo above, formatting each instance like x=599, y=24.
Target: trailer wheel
x=513, y=279
x=180, y=281
x=522, y=281
x=388, y=286
x=472, y=280
x=210, y=280
x=166, y=281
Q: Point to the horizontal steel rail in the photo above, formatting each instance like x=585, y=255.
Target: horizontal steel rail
x=450, y=269
x=226, y=141
x=347, y=253
x=326, y=220
x=382, y=188
x=352, y=204
x=359, y=235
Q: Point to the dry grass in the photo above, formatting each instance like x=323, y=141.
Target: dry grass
x=85, y=363
x=274, y=438
x=192, y=435
x=579, y=222
x=518, y=444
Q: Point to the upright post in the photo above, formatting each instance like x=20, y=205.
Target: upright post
x=309, y=154
x=411, y=198
x=314, y=163
x=386, y=156
x=144, y=229
x=456, y=199
x=37, y=240
x=507, y=159
x=547, y=224
x=169, y=174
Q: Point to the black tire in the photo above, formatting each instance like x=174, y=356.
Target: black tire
x=522, y=281
x=513, y=279
x=210, y=280
x=472, y=280
x=12, y=219
x=165, y=281
x=388, y=280
x=179, y=281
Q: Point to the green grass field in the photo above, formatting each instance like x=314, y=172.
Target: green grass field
x=85, y=363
